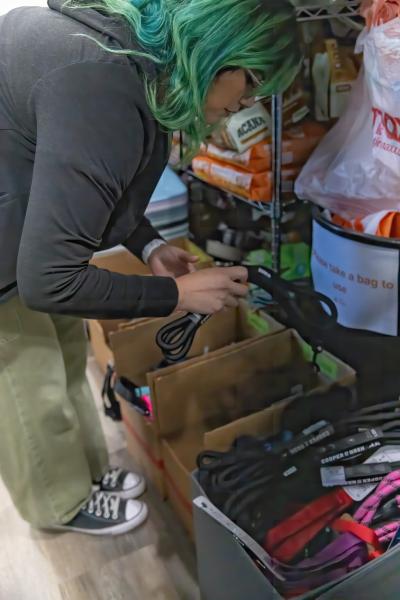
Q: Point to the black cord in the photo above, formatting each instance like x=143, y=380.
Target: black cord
x=176, y=338
x=300, y=303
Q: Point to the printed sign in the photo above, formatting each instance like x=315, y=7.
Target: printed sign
x=360, y=278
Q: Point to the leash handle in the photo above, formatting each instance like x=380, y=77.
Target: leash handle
x=175, y=339
x=289, y=295
x=111, y=405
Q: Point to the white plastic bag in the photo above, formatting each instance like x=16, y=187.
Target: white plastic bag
x=355, y=171
x=382, y=59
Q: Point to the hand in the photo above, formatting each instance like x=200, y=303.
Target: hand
x=169, y=261
x=210, y=290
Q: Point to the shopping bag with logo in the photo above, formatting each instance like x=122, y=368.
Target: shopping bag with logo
x=355, y=171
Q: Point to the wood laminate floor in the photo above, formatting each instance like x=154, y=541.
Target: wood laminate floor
x=155, y=562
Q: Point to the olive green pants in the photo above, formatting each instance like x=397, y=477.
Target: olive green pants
x=51, y=443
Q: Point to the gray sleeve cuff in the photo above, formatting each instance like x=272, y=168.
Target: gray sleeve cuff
x=143, y=235
x=150, y=247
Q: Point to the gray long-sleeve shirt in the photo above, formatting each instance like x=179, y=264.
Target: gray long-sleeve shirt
x=80, y=155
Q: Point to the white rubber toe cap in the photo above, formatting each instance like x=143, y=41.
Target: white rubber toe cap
x=136, y=512
x=133, y=486
x=131, y=481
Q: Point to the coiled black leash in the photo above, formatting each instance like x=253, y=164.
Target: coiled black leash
x=175, y=339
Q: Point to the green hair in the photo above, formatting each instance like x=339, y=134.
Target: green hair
x=191, y=41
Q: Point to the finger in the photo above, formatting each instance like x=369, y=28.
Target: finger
x=187, y=262
x=238, y=289
x=230, y=301
x=186, y=256
x=237, y=273
x=182, y=267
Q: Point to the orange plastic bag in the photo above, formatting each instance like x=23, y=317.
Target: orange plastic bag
x=298, y=144
x=390, y=226
x=254, y=186
x=383, y=224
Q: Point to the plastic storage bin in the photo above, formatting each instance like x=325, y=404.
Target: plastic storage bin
x=226, y=571
x=360, y=273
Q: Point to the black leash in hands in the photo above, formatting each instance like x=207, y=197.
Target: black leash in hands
x=175, y=339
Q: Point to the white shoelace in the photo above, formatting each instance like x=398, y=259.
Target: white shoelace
x=103, y=505
x=111, y=477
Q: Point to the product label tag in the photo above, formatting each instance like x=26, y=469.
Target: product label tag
x=384, y=454
x=354, y=475
x=349, y=453
x=310, y=440
x=333, y=476
x=351, y=446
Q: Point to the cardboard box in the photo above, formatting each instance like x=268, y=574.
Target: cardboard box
x=180, y=453
x=208, y=403
x=135, y=354
x=179, y=458
x=99, y=332
x=217, y=550
x=224, y=563
x=144, y=445
x=119, y=260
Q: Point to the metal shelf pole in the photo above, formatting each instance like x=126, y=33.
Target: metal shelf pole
x=277, y=104
x=338, y=9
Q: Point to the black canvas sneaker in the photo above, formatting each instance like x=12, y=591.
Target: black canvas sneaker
x=122, y=483
x=107, y=514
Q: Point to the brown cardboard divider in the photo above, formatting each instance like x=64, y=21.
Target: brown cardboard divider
x=144, y=445
x=180, y=452
x=122, y=261
x=263, y=423
x=135, y=353
x=178, y=456
x=259, y=370
x=211, y=401
x=99, y=332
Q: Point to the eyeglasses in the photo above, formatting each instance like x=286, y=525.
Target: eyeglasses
x=254, y=82
x=253, y=79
